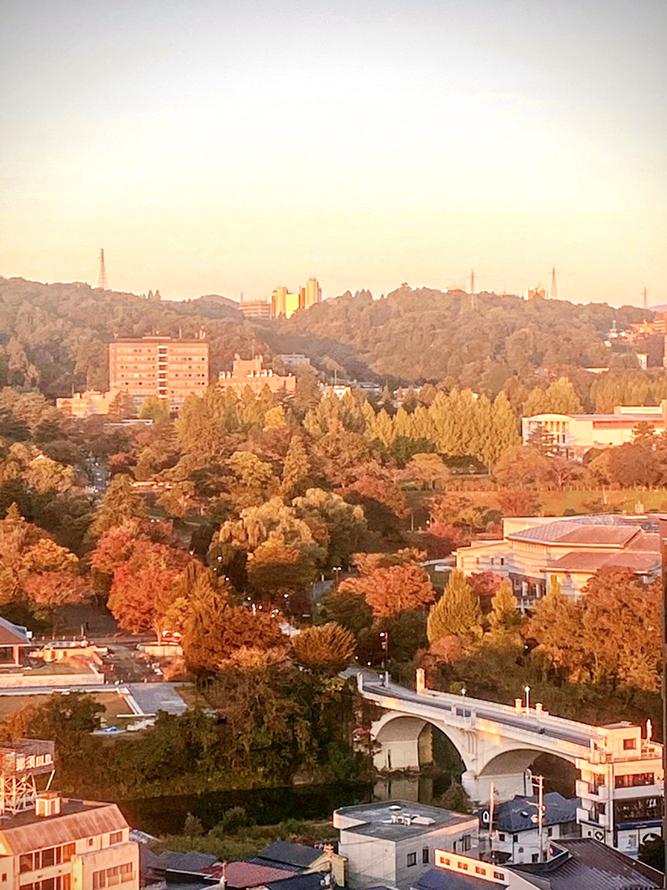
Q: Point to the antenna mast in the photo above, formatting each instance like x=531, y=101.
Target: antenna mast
x=554, y=290
x=102, y=279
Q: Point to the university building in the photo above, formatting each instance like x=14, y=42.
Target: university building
x=569, y=549
x=252, y=373
x=169, y=368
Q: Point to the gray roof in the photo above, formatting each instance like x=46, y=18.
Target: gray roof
x=587, y=864
x=283, y=853
x=516, y=815
x=185, y=863
x=375, y=819
x=443, y=879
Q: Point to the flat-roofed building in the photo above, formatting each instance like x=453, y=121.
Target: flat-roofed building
x=169, y=368
x=569, y=549
x=255, y=308
x=252, y=373
x=85, y=404
x=395, y=841
x=575, y=434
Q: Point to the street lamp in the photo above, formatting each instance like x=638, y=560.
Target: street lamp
x=384, y=643
x=526, y=689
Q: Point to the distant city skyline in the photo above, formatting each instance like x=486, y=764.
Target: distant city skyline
x=221, y=148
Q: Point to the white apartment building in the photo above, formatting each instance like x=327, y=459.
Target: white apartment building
x=395, y=841
x=621, y=790
x=570, y=549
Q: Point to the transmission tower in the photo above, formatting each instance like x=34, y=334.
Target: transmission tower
x=554, y=289
x=472, y=281
x=645, y=301
x=102, y=279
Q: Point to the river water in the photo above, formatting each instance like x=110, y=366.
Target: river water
x=267, y=806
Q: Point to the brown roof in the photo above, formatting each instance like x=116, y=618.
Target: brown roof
x=247, y=874
x=78, y=819
x=639, y=562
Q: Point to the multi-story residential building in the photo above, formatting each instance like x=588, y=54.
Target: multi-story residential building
x=310, y=294
x=571, y=549
x=284, y=302
x=51, y=843
x=395, y=841
x=575, y=434
x=168, y=368
x=621, y=790
x=255, y=308
x=252, y=373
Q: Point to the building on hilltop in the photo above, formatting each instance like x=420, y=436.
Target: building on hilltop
x=53, y=843
x=570, y=550
x=286, y=303
x=255, y=308
x=165, y=367
x=395, y=841
x=252, y=373
x=574, y=434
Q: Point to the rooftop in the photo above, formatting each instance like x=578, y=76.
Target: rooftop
x=517, y=814
x=398, y=819
x=77, y=819
x=281, y=853
x=13, y=634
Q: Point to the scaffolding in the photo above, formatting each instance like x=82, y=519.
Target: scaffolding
x=21, y=763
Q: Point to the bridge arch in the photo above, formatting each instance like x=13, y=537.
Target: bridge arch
x=404, y=744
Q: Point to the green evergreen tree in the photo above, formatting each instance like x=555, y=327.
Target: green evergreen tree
x=505, y=615
x=295, y=469
x=120, y=502
x=457, y=611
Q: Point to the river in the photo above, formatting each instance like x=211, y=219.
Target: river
x=267, y=806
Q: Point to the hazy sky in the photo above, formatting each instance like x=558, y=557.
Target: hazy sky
x=233, y=145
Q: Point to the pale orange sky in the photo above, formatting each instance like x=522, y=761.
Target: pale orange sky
x=221, y=146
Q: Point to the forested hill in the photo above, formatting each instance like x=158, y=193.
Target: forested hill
x=426, y=334
x=54, y=337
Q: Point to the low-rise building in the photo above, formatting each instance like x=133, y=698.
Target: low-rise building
x=255, y=308
x=573, y=864
x=85, y=404
x=252, y=373
x=515, y=837
x=53, y=843
x=575, y=434
x=395, y=841
x=571, y=549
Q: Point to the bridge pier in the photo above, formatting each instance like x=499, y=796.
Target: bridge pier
x=478, y=787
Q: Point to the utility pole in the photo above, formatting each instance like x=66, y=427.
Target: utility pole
x=492, y=796
x=539, y=817
x=102, y=279
x=554, y=290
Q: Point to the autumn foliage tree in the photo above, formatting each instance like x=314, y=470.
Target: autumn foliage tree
x=394, y=589
x=328, y=648
x=457, y=612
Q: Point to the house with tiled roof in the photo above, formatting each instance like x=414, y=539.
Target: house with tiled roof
x=514, y=835
x=570, y=550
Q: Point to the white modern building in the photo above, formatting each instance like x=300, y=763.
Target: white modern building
x=575, y=434
x=571, y=549
x=621, y=790
x=395, y=841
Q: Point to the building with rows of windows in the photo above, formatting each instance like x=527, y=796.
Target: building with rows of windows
x=53, y=843
x=166, y=367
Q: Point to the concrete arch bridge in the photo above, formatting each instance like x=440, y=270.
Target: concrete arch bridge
x=497, y=743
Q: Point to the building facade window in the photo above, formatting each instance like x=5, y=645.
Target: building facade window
x=412, y=860
x=426, y=855
x=110, y=877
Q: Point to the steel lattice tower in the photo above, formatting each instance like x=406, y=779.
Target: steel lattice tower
x=554, y=290
x=102, y=279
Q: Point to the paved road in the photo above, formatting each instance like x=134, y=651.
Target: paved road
x=526, y=723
